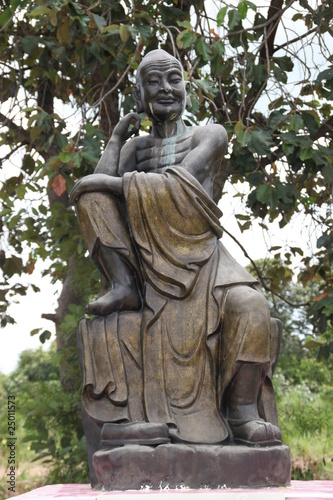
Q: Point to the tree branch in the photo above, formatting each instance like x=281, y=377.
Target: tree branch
x=273, y=18
x=12, y=151
x=294, y=40
x=323, y=129
x=266, y=50
x=260, y=276
x=50, y=317
x=7, y=122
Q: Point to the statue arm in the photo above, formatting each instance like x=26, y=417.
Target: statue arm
x=208, y=148
x=106, y=175
x=97, y=182
x=109, y=161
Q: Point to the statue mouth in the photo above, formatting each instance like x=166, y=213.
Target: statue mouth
x=166, y=101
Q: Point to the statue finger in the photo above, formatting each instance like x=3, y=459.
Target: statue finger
x=135, y=124
x=75, y=193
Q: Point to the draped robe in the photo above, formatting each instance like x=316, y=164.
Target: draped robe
x=185, y=366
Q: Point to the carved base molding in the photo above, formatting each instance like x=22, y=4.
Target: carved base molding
x=134, y=467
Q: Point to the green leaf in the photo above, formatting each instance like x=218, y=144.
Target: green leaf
x=256, y=178
x=39, y=11
x=239, y=127
x=297, y=16
x=99, y=21
x=185, y=24
x=266, y=195
x=261, y=142
x=63, y=30
x=12, y=266
x=327, y=74
x=279, y=74
x=306, y=154
x=234, y=18
x=20, y=191
x=242, y=7
x=311, y=121
x=203, y=48
x=207, y=86
x=42, y=209
x=243, y=137
x=219, y=48
x=65, y=157
x=260, y=75
x=124, y=32
x=296, y=250
x=221, y=16
x=5, y=16
x=185, y=39
x=285, y=63
x=327, y=172
x=29, y=43
x=112, y=29
x=35, y=331
x=251, y=5
x=28, y=164
x=283, y=193
x=44, y=336
x=296, y=122
x=310, y=343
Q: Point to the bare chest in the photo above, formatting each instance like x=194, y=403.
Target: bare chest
x=154, y=154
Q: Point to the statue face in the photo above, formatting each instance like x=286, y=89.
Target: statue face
x=162, y=90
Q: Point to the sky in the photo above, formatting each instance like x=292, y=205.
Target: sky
x=16, y=338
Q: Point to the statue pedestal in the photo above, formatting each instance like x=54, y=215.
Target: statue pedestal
x=132, y=467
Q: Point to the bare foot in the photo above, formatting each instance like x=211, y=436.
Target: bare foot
x=119, y=298
x=255, y=432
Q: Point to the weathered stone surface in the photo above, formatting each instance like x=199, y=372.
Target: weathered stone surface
x=193, y=466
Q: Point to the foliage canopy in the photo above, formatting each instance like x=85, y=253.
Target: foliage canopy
x=265, y=73
x=250, y=70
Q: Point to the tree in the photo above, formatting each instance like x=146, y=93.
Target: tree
x=264, y=72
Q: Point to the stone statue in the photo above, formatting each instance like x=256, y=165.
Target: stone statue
x=182, y=347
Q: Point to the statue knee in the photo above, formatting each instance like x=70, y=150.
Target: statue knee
x=244, y=299
x=247, y=316
x=86, y=200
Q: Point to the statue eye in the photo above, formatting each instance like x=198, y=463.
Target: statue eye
x=153, y=81
x=175, y=79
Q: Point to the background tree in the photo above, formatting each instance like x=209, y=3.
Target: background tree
x=67, y=72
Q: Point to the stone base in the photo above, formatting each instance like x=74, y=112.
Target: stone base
x=133, y=467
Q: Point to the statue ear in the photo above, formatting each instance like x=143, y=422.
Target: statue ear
x=137, y=99
x=188, y=94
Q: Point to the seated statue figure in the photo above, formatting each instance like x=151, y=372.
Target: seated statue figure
x=206, y=346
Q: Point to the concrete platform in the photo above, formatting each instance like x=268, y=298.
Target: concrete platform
x=301, y=490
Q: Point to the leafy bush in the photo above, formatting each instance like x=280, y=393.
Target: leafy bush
x=50, y=416
x=306, y=419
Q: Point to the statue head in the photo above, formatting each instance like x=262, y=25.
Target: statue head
x=160, y=90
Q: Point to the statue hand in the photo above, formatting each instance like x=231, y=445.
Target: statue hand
x=93, y=182
x=122, y=130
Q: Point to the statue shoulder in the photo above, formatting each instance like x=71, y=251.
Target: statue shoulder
x=212, y=131
x=213, y=135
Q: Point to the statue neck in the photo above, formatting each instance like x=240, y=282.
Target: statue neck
x=168, y=129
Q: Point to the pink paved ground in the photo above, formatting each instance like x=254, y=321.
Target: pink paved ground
x=306, y=490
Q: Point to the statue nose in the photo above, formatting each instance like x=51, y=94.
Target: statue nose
x=165, y=85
